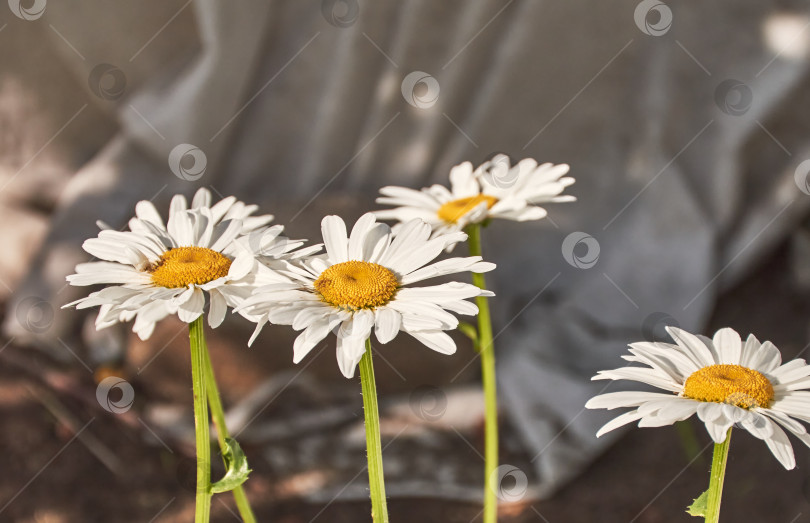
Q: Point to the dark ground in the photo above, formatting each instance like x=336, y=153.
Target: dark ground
x=50, y=477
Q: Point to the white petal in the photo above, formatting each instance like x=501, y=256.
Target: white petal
x=750, y=348
x=357, y=239
x=436, y=340
x=241, y=267
x=652, y=377
x=193, y=308
x=767, y=358
x=202, y=198
x=411, y=235
x=386, y=324
x=349, y=352
x=256, y=331
x=792, y=371
x=614, y=400
x=619, y=421
x=310, y=337
x=180, y=227
x=710, y=412
x=781, y=448
x=692, y=346
x=729, y=346
x=224, y=234
x=144, y=210
x=462, y=181
x=666, y=412
x=217, y=308
x=448, y=266
x=334, y=238
x=717, y=430
x=106, y=272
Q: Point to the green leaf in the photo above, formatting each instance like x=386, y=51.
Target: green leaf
x=470, y=331
x=238, y=470
x=699, y=508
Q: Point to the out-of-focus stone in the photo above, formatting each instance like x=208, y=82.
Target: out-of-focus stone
x=22, y=232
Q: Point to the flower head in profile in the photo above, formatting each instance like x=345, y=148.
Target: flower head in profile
x=156, y=269
x=724, y=380
x=365, y=282
x=496, y=189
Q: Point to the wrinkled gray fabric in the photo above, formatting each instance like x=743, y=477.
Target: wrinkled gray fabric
x=682, y=181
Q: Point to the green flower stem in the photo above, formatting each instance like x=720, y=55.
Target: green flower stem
x=716, y=482
x=379, y=509
x=218, y=415
x=201, y=428
x=487, y=353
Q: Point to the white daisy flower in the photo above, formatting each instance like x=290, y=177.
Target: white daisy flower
x=723, y=380
x=156, y=269
x=495, y=189
x=365, y=281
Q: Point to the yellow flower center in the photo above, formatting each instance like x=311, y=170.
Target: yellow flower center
x=357, y=285
x=730, y=384
x=182, y=266
x=453, y=210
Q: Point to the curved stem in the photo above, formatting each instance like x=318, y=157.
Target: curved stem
x=379, y=509
x=487, y=353
x=716, y=482
x=201, y=427
x=218, y=415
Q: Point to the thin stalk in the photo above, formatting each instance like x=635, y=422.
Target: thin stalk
x=201, y=427
x=218, y=415
x=379, y=509
x=487, y=352
x=716, y=482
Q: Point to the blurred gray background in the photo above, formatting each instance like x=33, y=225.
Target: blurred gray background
x=686, y=127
